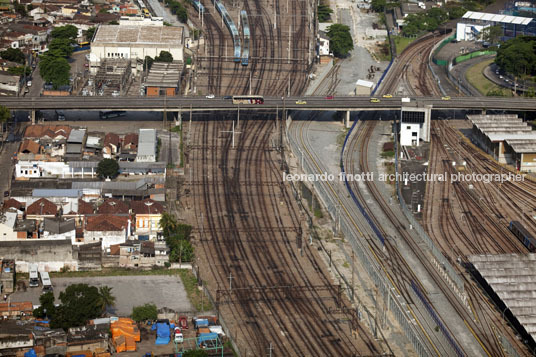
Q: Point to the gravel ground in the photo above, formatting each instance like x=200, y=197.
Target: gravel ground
x=129, y=291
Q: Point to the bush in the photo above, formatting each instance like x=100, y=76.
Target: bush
x=144, y=312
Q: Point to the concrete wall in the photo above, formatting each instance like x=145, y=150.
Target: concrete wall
x=107, y=238
x=49, y=255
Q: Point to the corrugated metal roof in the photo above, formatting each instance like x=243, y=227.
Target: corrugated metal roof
x=505, y=19
x=513, y=278
x=55, y=192
x=76, y=136
x=147, y=143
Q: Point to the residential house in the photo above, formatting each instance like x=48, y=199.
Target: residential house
x=30, y=150
x=59, y=228
x=53, y=341
x=9, y=83
x=111, y=146
x=7, y=276
x=40, y=209
x=130, y=144
x=91, y=338
x=15, y=337
x=148, y=214
x=16, y=310
x=93, y=146
x=143, y=254
x=47, y=132
x=107, y=229
x=113, y=206
x=14, y=206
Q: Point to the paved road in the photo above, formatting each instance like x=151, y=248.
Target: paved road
x=312, y=103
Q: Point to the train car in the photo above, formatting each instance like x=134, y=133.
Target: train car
x=248, y=99
x=245, y=31
x=232, y=29
x=523, y=235
x=198, y=6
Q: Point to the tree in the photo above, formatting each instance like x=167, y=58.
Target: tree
x=182, y=14
x=495, y=93
x=164, y=56
x=5, y=114
x=144, y=312
x=148, y=63
x=89, y=33
x=105, y=298
x=79, y=303
x=113, y=22
x=195, y=353
x=168, y=223
x=67, y=31
x=55, y=70
x=13, y=54
x=455, y=12
x=492, y=33
x=19, y=71
x=324, y=12
x=378, y=5
x=47, y=308
x=178, y=241
x=340, y=40
x=61, y=46
x=518, y=56
x=108, y=168
x=20, y=9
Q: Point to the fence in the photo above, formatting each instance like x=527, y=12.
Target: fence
x=439, y=47
x=395, y=303
x=470, y=55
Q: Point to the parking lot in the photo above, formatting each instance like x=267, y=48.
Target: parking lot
x=129, y=291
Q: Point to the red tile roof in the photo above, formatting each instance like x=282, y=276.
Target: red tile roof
x=146, y=206
x=47, y=207
x=113, y=206
x=85, y=207
x=29, y=146
x=130, y=139
x=38, y=131
x=13, y=203
x=111, y=138
x=106, y=223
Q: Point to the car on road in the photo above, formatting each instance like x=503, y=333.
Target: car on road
x=228, y=97
x=115, y=93
x=329, y=97
x=301, y=102
x=6, y=193
x=210, y=96
x=29, y=83
x=445, y=98
x=178, y=335
x=374, y=100
x=388, y=96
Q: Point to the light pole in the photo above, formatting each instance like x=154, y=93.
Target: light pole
x=149, y=204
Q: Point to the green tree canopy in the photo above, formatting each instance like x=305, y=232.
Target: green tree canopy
x=340, y=40
x=13, y=54
x=55, y=70
x=518, y=56
x=19, y=71
x=378, y=5
x=108, y=168
x=144, y=312
x=164, y=56
x=324, y=12
x=79, y=303
x=20, y=9
x=67, y=32
x=105, y=298
x=61, y=46
x=168, y=223
x=47, y=303
x=89, y=33
x=5, y=114
x=492, y=34
x=148, y=63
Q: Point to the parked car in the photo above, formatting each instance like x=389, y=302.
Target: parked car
x=29, y=83
x=210, y=96
x=228, y=97
x=6, y=193
x=329, y=97
x=178, y=336
x=183, y=322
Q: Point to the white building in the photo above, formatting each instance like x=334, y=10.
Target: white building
x=57, y=228
x=415, y=125
x=7, y=226
x=469, y=32
x=147, y=144
x=363, y=87
x=135, y=42
x=409, y=134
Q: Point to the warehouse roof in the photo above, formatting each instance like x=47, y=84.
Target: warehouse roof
x=147, y=35
x=55, y=192
x=504, y=19
x=164, y=74
x=513, y=278
x=147, y=143
x=522, y=146
x=506, y=135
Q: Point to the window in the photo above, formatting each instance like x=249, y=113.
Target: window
x=408, y=127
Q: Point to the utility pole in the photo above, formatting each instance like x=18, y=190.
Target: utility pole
x=270, y=350
x=238, y=117
x=233, y=132
x=353, y=291
x=230, y=281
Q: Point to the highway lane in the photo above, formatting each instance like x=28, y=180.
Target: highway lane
x=270, y=103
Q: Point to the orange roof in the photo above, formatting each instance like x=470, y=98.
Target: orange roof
x=13, y=203
x=29, y=146
x=25, y=306
x=39, y=131
x=85, y=207
x=104, y=222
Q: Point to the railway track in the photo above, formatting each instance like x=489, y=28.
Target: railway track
x=242, y=212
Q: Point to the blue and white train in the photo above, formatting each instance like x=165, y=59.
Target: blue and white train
x=245, y=31
x=198, y=6
x=232, y=28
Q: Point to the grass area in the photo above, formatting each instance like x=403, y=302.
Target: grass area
x=115, y=272
x=476, y=77
x=387, y=154
x=342, y=136
x=196, y=296
x=402, y=42
x=382, y=52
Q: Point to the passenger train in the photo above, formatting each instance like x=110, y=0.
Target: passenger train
x=523, y=235
x=245, y=31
